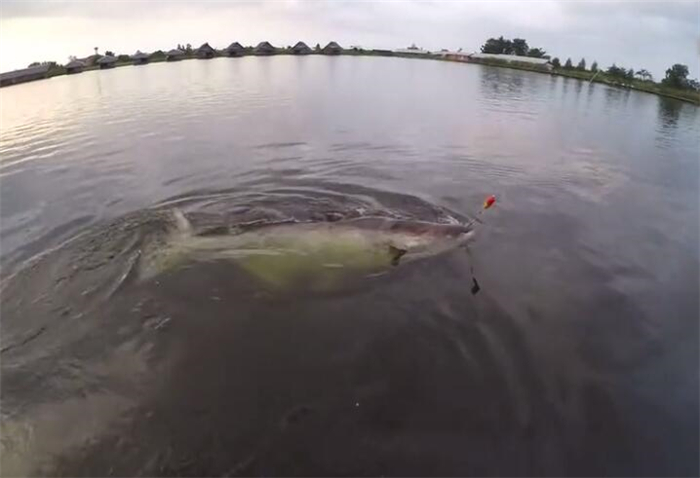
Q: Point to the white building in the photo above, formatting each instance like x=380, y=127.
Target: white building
x=509, y=58
x=412, y=50
x=458, y=55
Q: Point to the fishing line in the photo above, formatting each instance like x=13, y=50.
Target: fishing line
x=488, y=202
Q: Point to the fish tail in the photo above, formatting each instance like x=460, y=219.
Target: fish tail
x=183, y=224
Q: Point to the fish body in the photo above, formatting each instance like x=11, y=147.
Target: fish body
x=318, y=254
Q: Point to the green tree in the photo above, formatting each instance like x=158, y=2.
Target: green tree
x=519, y=47
x=614, y=70
x=109, y=53
x=537, y=53
x=124, y=58
x=556, y=63
x=158, y=55
x=493, y=45
x=52, y=64
x=676, y=76
x=568, y=65
x=317, y=47
x=498, y=46
x=594, y=66
x=629, y=74
x=643, y=75
x=581, y=65
x=508, y=48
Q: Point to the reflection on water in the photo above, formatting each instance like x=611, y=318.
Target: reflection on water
x=578, y=356
x=669, y=111
x=617, y=96
x=500, y=83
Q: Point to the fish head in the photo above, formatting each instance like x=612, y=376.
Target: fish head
x=431, y=231
x=419, y=239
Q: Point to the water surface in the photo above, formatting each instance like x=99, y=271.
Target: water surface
x=579, y=356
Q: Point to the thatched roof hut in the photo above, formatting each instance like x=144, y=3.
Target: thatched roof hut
x=26, y=74
x=332, y=49
x=74, y=66
x=235, y=49
x=174, y=55
x=107, y=62
x=264, y=48
x=90, y=60
x=301, y=48
x=205, y=52
x=140, y=58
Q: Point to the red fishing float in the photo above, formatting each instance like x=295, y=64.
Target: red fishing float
x=490, y=201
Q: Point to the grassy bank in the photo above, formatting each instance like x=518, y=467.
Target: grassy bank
x=634, y=84
x=602, y=77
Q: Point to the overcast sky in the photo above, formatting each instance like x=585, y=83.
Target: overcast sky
x=651, y=35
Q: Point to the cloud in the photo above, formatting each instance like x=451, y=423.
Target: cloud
x=651, y=35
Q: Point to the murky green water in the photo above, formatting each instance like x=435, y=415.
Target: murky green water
x=578, y=356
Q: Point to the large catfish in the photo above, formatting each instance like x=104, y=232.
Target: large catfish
x=315, y=254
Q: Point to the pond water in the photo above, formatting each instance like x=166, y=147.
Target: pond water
x=578, y=356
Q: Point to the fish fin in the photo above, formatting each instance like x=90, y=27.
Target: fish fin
x=181, y=222
x=396, y=254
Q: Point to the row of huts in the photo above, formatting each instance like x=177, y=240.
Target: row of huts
x=204, y=52
x=263, y=48
x=36, y=72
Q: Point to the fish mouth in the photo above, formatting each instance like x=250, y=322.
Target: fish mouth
x=465, y=237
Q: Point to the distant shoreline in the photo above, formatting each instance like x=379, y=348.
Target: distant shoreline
x=603, y=78
x=597, y=77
